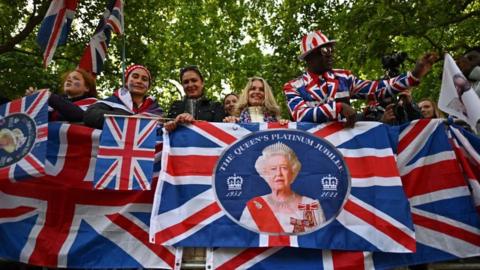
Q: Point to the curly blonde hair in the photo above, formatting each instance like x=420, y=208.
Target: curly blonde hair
x=269, y=104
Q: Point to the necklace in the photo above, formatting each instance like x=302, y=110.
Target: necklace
x=282, y=204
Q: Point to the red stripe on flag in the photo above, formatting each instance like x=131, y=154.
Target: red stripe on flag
x=15, y=212
x=215, y=131
x=429, y=178
x=53, y=40
x=15, y=106
x=331, y=128
x=241, y=258
x=146, y=133
x=4, y=173
x=37, y=100
x=412, y=134
x=187, y=165
x=278, y=240
x=187, y=224
x=139, y=233
x=126, y=164
x=276, y=125
x=445, y=228
x=140, y=179
x=42, y=132
x=347, y=260
x=33, y=162
x=107, y=175
x=382, y=225
x=369, y=166
x=470, y=169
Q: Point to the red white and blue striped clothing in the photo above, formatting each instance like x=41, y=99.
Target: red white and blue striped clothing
x=317, y=98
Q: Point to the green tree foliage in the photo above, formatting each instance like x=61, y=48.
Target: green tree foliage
x=233, y=40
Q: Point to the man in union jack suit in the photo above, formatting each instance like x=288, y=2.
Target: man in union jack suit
x=323, y=94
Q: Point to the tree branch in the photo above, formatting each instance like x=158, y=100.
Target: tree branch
x=36, y=55
x=33, y=21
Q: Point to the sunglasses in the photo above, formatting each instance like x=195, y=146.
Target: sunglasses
x=190, y=68
x=328, y=50
x=187, y=68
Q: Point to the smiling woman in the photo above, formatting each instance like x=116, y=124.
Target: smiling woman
x=195, y=106
x=79, y=91
x=256, y=104
x=130, y=100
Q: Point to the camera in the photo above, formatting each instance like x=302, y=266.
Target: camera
x=392, y=62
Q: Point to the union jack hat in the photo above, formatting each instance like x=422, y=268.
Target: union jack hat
x=311, y=41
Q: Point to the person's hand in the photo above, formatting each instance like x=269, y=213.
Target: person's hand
x=283, y=122
x=388, y=116
x=349, y=114
x=31, y=90
x=424, y=65
x=405, y=97
x=170, y=125
x=231, y=119
x=184, y=118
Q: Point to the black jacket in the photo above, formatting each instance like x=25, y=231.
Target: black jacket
x=95, y=115
x=206, y=110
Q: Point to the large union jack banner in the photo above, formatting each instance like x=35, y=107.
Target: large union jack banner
x=375, y=215
x=126, y=153
x=445, y=221
x=60, y=221
x=23, y=137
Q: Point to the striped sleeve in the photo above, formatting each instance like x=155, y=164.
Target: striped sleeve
x=382, y=88
x=300, y=109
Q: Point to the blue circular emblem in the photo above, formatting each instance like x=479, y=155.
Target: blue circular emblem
x=281, y=182
x=17, y=137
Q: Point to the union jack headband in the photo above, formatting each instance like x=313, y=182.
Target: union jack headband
x=131, y=68
x=311, y=41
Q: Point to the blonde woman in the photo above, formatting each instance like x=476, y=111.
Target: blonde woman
x=429, y=109
x=256, y=104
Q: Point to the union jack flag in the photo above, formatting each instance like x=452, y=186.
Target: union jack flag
x=55, y=27
x=95, y=53
x=115, y=18
x=467, y=151
x=126, y=153
x=186, y=212
x=287, y=258
x=24, y=130
x=445, y=222
x=59, y=221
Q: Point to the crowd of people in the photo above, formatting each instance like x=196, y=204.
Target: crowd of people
x=319, y=95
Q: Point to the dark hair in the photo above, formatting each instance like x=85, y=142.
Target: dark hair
x=87, y=77
x=473, y=49
x=231, y=94
x=190, y=68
